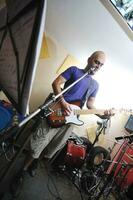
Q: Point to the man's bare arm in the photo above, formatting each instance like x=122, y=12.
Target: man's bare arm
x=57, y=90
x=107, y=113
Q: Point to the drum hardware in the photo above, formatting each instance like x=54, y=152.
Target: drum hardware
x=101, y=182
x=129, y=192
x=124, y=137
x=102, y=125
x=88, y=181
x=76, y=145
x=97, y=152
x=117, y=173
x=75, y=163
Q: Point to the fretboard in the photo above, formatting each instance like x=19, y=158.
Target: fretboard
x=99, y=111
x=86, y=111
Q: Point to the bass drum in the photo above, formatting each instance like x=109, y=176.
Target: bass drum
x=96, y=156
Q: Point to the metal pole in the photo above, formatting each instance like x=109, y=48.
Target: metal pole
x=43, y=107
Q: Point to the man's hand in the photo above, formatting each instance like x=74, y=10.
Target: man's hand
x=66, y=107
x=108, y=113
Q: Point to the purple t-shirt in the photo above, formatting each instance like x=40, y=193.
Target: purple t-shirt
x=85, y=88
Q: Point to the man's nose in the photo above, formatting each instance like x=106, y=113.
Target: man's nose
x=98, y=66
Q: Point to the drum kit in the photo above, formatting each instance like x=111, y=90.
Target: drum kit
x=98, y=172
x=79, y=158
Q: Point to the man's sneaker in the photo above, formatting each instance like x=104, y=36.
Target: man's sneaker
x=32, y=172
x=32, y=169
x=17, y=183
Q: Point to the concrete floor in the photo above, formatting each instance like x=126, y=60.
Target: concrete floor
x=48, y=184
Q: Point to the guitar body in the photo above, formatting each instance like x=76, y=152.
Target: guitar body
x=57, y=118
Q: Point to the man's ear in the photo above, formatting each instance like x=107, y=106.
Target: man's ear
x=89, y=59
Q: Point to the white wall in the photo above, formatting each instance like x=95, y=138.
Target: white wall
x=46, y=73
x=115, y=87
x=85, y=26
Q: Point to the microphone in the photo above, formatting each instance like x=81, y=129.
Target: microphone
x=90, y=71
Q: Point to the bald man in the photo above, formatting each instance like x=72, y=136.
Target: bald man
x=52, y=139
x=86, y=89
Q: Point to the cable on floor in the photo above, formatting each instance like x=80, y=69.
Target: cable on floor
x=57, y=195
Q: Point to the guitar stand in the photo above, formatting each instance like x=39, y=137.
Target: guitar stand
x=100, y=129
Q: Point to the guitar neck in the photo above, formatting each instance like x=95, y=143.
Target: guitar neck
x=86, y=111
x=99, y=111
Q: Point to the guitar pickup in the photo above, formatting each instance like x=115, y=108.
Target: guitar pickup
x=47, y=111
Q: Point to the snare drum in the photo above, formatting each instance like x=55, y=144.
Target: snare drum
x=75, y=154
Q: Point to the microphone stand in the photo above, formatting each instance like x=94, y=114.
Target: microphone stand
x=124, y=137
x=9, y=134
x=46, y=105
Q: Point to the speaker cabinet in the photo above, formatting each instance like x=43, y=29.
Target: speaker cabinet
x=129, y=124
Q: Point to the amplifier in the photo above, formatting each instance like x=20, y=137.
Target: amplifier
x=129, y=124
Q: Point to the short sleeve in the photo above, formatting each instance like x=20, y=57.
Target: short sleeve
x=69, y=72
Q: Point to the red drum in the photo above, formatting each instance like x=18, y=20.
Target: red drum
x=75, y=154
x=123, y=171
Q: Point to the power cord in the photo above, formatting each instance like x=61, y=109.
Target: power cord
x=57, y=197
x=5, y=148
x=50, y=178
